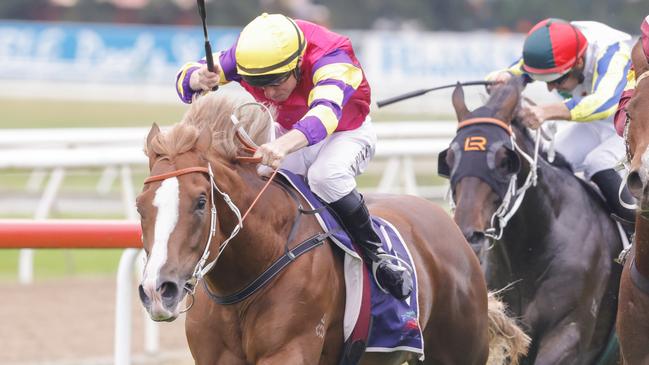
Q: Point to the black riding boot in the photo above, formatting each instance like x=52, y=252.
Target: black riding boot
x=609, y=182
x=354, y=215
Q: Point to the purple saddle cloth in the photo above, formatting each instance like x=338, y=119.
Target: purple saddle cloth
x=395, y=323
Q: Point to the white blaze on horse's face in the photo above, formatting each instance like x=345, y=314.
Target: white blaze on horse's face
x=167, y=200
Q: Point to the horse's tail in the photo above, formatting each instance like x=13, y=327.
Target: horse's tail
x=506, y=339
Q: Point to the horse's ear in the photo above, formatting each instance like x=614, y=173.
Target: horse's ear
x=459, y=104
x=204, y=139
x=153, y=132
x=508, y=107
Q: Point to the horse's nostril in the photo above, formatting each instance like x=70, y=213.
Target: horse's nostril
x=168, y=290
x=475, y=237
x=634, y=183
x=143, y=297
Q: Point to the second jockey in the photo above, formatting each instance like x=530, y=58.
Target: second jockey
x=322, y=98
x=587, y=63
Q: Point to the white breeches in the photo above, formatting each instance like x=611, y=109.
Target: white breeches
x=332, y=165
x=590, y=147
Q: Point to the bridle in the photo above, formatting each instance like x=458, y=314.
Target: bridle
x=280, y=263
x=249, y=146
x=513, y=196
x=201, y=269
x=642, y=76
x=626, y=163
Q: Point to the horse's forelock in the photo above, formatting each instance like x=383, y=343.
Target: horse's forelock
x=179, y=139
x=212, y=112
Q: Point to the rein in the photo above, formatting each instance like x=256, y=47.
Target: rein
x=201, y=269
x=513, y=197
x=280, y=263
x=641, y=77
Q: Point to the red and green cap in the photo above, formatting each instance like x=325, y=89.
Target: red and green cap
x=551, y=49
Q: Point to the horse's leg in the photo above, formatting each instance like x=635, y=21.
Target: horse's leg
x=560, y=347
x=203, y=326
x=299, y=319
x=633, y=320
x=302, y=350
x=459, y=335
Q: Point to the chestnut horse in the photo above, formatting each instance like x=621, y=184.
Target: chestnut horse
x=297, y=318
x=553, y=241
x=633, y=309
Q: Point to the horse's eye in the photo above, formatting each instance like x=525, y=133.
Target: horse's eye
x=200, y=205
x=450, y=158
x=140, y=211
x=505, y=165
x=507, y=162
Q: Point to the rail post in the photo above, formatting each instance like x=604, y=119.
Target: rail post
x=123, y=302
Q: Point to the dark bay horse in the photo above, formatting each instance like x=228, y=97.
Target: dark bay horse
x=298, y=317
x=555, y=253
x=633, y=309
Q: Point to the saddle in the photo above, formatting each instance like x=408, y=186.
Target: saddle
x=374, y=321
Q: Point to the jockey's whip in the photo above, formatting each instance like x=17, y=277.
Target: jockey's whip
x=412, y=94
x=208, y=47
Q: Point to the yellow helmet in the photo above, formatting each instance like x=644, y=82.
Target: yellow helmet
x=270, y=44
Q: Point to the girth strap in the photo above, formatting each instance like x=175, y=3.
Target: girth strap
x=640, y=281
x=272, y=270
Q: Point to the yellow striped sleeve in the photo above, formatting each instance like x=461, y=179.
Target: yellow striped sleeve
x=584, y=111
x=222, y=79
x=327, y=92
x=345, y=72
x=182, y=73
x=606, y=91
x=325, y=115
x=517, y=68
x=630, y=80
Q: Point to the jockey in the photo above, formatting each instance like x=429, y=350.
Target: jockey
x=313, y=79
x=587, y=63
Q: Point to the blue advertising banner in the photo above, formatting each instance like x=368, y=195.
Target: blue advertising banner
x=38, y=57
x=101, y=53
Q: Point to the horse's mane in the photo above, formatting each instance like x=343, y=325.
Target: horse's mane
x=212, y=113
x=559, y=160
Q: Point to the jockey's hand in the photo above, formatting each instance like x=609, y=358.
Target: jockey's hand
x=202, y=79
x=272, y=153
x=532, y=116
x=500, y=78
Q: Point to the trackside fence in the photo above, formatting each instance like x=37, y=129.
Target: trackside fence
x=91, y=235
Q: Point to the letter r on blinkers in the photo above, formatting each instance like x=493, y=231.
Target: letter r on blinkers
x=475, y=143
